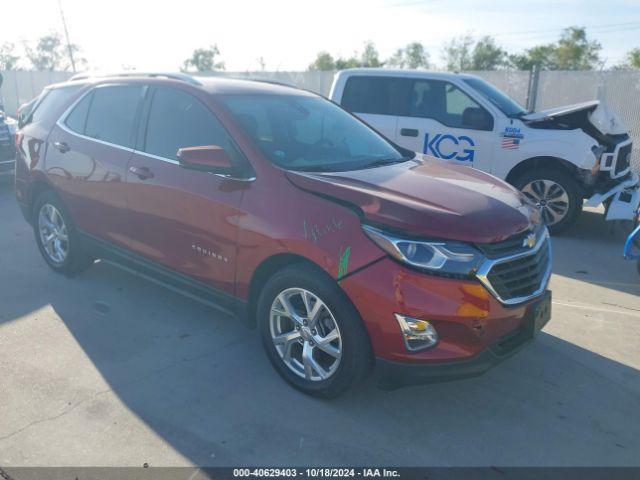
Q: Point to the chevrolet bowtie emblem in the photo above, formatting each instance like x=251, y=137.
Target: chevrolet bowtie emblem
x=529, y=241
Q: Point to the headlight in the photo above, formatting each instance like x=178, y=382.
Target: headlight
x=441, y=257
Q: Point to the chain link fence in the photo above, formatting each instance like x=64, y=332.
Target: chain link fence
x=618, y=89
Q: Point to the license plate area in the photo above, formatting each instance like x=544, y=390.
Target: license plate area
x=540, y=313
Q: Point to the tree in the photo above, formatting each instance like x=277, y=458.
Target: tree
x=631, y=59
x=203, y=60
x=457, y=53
x=463, y=53
x=487, y=55
x=351, y=62
x=413, y=55
x=50, y=53
x=324, y=62
x=573, y=51
x=369, y=57
x=8, y=60
x=541, y=55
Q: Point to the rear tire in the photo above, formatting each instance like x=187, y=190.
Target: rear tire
x=555, y=193
x=294, y=338
x=56, y=236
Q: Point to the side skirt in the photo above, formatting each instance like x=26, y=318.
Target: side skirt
x=167, y=278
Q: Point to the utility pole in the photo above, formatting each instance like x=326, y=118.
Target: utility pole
x=66, y=35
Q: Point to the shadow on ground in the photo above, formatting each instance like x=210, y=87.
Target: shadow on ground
x=591, y=251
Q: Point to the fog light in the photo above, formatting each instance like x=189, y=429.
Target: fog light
x=418, y=334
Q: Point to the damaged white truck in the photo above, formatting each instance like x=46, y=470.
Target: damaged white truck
x=557, y=158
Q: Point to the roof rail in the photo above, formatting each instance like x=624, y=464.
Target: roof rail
x=272, y=82
x=184, y=77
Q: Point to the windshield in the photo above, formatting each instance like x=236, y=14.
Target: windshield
x=310, y=133
x=506, y=105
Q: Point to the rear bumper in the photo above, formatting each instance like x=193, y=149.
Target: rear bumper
x=391, y=375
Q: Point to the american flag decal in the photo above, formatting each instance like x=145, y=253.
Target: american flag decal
x=510, y=142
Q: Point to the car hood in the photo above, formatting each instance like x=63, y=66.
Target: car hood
x=427, y=197
x=560, y=111
x=605, y=120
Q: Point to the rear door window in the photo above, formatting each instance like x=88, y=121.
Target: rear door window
x=112, y=114
x=375, y=94
x=178, y=120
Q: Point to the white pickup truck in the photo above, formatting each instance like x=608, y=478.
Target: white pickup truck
x=557, y=157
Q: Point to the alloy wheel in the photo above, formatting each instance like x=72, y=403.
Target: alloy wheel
x=551, y=199
x=305, y=334
x=53, y=233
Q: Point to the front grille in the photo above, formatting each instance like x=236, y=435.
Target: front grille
x=513, y=271
x=623, y=160
x=510, y=246
x=522, y=276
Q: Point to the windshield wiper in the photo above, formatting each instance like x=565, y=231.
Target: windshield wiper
x=385, y=161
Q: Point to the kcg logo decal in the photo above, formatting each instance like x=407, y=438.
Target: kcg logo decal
x=448, y=147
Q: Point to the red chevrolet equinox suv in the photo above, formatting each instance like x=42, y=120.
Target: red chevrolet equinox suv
x=348, y=253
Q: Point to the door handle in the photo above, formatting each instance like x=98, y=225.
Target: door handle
x=409, y=132
x=143, y=173
x=62, y=147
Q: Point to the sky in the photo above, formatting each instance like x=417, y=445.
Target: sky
x=159, y=35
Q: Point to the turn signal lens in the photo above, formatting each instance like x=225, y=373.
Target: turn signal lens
x=418, y=334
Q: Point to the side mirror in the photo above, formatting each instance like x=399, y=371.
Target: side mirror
x=477, y=118
x=210, y=158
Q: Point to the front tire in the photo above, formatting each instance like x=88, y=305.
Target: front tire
x=311, y=332
x=555, y=193
x=56, y=236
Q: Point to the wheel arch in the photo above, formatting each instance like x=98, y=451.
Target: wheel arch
x=37, y=188
x=266, y=270
x=541, y=162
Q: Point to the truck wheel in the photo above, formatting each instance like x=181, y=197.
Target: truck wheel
x=311, y=333
x=555, y=193
x=56, y=236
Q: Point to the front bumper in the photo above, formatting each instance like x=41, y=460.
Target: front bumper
x=624, y=199
x=391, y=375
x=469, y=320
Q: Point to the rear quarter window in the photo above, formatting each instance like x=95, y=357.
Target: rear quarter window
x=49, y=108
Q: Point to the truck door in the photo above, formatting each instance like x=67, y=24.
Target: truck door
x=441, y=120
